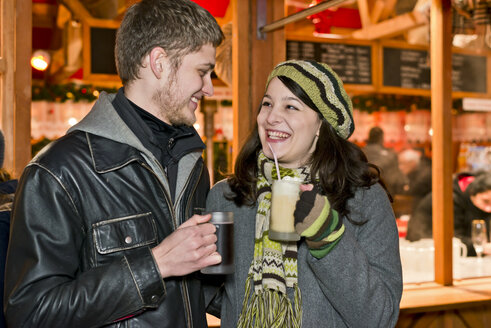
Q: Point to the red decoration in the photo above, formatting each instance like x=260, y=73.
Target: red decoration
x=79, y=74
x=340, y=17
x=217, y=8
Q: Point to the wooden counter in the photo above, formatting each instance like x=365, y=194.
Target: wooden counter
x=465, y=304
x=430, y=305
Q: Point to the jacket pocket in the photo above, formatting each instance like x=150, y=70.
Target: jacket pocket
x=124, y=233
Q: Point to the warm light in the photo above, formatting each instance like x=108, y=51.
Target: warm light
x=430, y=132
x=72, y=121
x=40, y=60
x=196, y=126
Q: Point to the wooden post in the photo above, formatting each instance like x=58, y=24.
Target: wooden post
x=441, y=121
x=7, y=55
x=15, y=90
x=23, y=82
x=209, y=108
x=252, y=61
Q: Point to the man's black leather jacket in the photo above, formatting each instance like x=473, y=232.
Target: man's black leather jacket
x=87, y=212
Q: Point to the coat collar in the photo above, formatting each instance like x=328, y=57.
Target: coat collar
x=112, y=143
x=108, y=155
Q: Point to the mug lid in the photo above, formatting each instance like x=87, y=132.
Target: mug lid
x=221, y=217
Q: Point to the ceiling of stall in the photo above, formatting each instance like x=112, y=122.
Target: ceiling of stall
x=57, y=27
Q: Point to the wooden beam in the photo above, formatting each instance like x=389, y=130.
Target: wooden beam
x=23, y=82
x=300, y=15
x=364, y=10
x=441, y=121
x=3, y=66
x=241, y=77
x=77, y=9
x=44, y=15
x=15, y=90
x=388, y=9
x=391, y=27
x=7, y=93
x=252, y=60
x=378, y=8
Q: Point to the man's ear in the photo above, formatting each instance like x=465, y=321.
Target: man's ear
x=157, y=59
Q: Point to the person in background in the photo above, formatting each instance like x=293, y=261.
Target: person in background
x=416, y=170
x=384, y=158
x=7, y=192
x=471, y=200
x=103, y=231
x=346, y=270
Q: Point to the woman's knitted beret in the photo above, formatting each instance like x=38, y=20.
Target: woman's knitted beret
x=324, y=88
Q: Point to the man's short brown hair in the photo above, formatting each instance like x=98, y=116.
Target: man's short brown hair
x=179, y=27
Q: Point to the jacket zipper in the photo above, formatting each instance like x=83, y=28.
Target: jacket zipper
x=164, y=191
x=186, y=210
x=193, y=191
x=185, y=292
x=184, y=283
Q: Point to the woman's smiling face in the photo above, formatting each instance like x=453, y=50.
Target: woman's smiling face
x=290, y=126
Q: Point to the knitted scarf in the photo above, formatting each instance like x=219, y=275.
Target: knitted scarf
x=274, y=267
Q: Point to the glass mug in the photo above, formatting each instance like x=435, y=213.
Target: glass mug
x=479, y=236
x=284, y=196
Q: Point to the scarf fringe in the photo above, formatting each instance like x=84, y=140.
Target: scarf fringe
x=270, y=308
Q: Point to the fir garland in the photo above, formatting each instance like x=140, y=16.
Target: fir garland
x=392, y=103
x=365, y=103
x=64, y=92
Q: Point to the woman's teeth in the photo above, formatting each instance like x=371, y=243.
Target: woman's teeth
x=277, y=135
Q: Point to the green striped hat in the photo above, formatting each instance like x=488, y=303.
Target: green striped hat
x=324, y=88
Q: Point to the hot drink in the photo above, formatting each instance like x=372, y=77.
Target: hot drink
x=224, y=223
x=284, y=196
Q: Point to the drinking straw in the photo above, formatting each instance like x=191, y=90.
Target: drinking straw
x=275, y=161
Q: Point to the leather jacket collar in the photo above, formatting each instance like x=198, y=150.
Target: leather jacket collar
x=108, y=155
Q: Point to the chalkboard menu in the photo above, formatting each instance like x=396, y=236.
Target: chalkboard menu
x=409, y=68
x=353, y=63
x=406, y=68
x=102, y=41
x=469, y=73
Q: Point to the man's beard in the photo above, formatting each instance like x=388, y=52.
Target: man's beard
x=171, y=106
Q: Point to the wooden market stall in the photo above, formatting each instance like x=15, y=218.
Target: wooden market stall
x=257, y=45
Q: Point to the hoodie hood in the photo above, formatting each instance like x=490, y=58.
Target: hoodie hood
x=104, y=121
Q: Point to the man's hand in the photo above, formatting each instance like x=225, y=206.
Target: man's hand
x=190, y=248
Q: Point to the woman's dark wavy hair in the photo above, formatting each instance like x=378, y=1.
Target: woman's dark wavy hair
x=340, y=165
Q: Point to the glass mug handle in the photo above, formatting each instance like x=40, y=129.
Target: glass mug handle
x=459, y=247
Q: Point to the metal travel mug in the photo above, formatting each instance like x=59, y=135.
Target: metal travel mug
x=224, y=223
